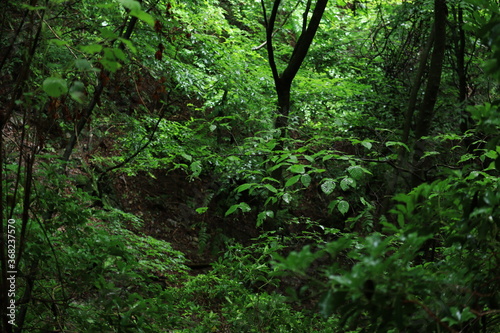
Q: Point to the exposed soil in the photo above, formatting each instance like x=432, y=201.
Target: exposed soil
x=167, y=203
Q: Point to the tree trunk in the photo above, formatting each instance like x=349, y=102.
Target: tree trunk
x=426, y=111
x=283, y=81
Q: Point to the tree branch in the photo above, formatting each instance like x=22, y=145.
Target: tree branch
x=304, y=42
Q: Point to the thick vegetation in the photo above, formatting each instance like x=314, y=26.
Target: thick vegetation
x=250, y=166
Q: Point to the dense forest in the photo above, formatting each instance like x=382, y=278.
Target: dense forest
x=250, y=166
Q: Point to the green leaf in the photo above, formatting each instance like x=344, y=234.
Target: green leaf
x=91, y=49
x=77, y=91
x=306, y=180
x=28, y=7
x=243, y=206
x=355, y=171
x=129, y=44
x=395, y=143
x=244, y=187
x=326, y=303
x=343, y=206
x=328, y=186
x=297, y=168
x=130, y=4
x=143, y=16
x=271, y=188
x=119, y=54
x=196, y=168
x=107, y=33
x=110, y=63
x=55, y=87
x=263, y=215
x=231, y=209
x=201, y=210
x=84, y=66
x=292, y=180
x=346, y=183
x=287, y=198
x=58, y=42
x=367, y=144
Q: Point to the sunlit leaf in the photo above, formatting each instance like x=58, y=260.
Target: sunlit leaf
x=291, y=181
x=328, y=186
x=306, y=180
x=297, y=168
x=287, y=198
x=130, y=4
x=347, y=182
x=143, y=16
x=343, y=206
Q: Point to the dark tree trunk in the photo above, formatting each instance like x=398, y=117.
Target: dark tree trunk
x=283, y=81
x=461, y=68
x=417, y=83
x=426, y=111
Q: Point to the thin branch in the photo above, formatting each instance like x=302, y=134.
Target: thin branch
x=269, y=39
x=276, y=30
x=304, y=17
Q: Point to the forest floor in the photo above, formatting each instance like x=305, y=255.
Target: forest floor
x=166, y=202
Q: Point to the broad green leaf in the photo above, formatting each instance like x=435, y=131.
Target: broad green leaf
x=91, y=49
x=244, y=187
x=346, y=183
x=28, y=7
x=395, y=143
x=309, y=158
x=292, y=180
x=244, y=207
x=110, y=65
x=293, y=159
x=77, y=91
x=84, y=65
x=271, y=188
x=196, y=168
x=429, y=153
x=107, y=33
x=306, y=180
x=201, y=210
x=328, y=186
x=263, y=215
x=130, y=4
x=119, y=54
x=343, y=206
x=58, y=42
x=55, y=87
x=287, y=198
x=231, y=209
x=367, y=144
x=143, y=16
x=129, y=44
x=355, y=171
x=270, y=179
x=297, y=168
x=187, y=157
